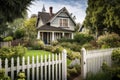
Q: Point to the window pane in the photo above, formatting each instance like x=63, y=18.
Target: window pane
x=60, y=22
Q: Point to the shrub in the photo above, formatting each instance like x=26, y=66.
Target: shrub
x=54, y=43
x=2, y=75
x=9, y=52
x=21, y=76
x=9, y=38
x=116, y=56
x=109, y=40
x=83, y=38
x=88, y=46
x=38, y=44
x=97, y=76
x=58, y=49
x=20, y=33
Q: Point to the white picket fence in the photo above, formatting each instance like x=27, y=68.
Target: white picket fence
x=91, y=61
x=52, y=68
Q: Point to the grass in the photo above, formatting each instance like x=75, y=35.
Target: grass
x=34, y=53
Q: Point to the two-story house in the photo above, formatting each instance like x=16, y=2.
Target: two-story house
x=52, y=26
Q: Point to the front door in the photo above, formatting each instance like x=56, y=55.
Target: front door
x=45, y=37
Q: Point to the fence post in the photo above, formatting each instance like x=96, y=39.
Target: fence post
x=64, y=65
x=83, y=63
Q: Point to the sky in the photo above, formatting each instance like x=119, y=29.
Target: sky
x=76, y=7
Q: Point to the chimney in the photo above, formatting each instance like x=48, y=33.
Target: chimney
x=51, y=13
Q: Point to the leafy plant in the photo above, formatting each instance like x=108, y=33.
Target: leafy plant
x=9, y=38
x=2, y=75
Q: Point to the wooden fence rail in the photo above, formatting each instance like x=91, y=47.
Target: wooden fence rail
x=42, y=68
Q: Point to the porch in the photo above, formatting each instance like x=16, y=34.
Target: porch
x=50, y=36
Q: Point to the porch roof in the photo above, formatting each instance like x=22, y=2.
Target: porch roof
x=52, y=28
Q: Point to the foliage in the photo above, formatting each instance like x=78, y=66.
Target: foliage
x=58, y=49
x=116, y=56
x=19, y=33
x=97, y=76
x=2, y=75
x=109, y=40
x=9, y=52
x=38, y=44
x=21, y=76
x=10, y=10
x=88, y=46
x=54, y=43
x=73, y=72
x=9, y=38
x=82, y=38
x=30, y=29
x=103, y=14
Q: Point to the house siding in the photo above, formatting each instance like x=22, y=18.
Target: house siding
x=55, y=22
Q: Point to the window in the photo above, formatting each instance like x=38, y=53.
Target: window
x=64, y=22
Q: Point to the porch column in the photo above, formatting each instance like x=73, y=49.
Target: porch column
x=72, y=35
x=38, y=35
x=63, y=34
x=53, y=38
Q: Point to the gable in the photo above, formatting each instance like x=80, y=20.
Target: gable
x=63, y=15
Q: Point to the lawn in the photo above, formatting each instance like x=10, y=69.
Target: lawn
x=31, y=53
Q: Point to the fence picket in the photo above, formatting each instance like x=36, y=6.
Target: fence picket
x=28, y=68
x=49, y=68
x=59, y=67
x=45, y=67
x=18, y=64
x=12, y=70
x=23, y=63
x=52, y=66
x=33, y=69
x=56, y=76
x=37, y=68
x=6, y=67
x=41, y=63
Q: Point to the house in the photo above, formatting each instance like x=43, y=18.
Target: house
x=52, y=26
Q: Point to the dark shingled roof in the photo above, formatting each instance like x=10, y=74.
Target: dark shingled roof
x=52, y=28
x=44, y=16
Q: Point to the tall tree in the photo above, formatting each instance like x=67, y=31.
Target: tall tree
x=102, y=14
x=12, y=9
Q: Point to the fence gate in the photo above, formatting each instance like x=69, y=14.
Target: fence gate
x=51, y=67
x=91, y=61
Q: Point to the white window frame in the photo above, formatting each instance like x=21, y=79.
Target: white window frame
x=62, y=22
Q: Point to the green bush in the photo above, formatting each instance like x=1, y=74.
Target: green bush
x=88, y=46
x=9, y=52
x=109, y=40
x=98, y=76
x=73, y=46
x=82, y=38
x=21, y=76
x=20, y=33
x=2, y=75
x=38, y=44
x=58, y=49
x=116, y=56
x=54, y=43
x=9, y=38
